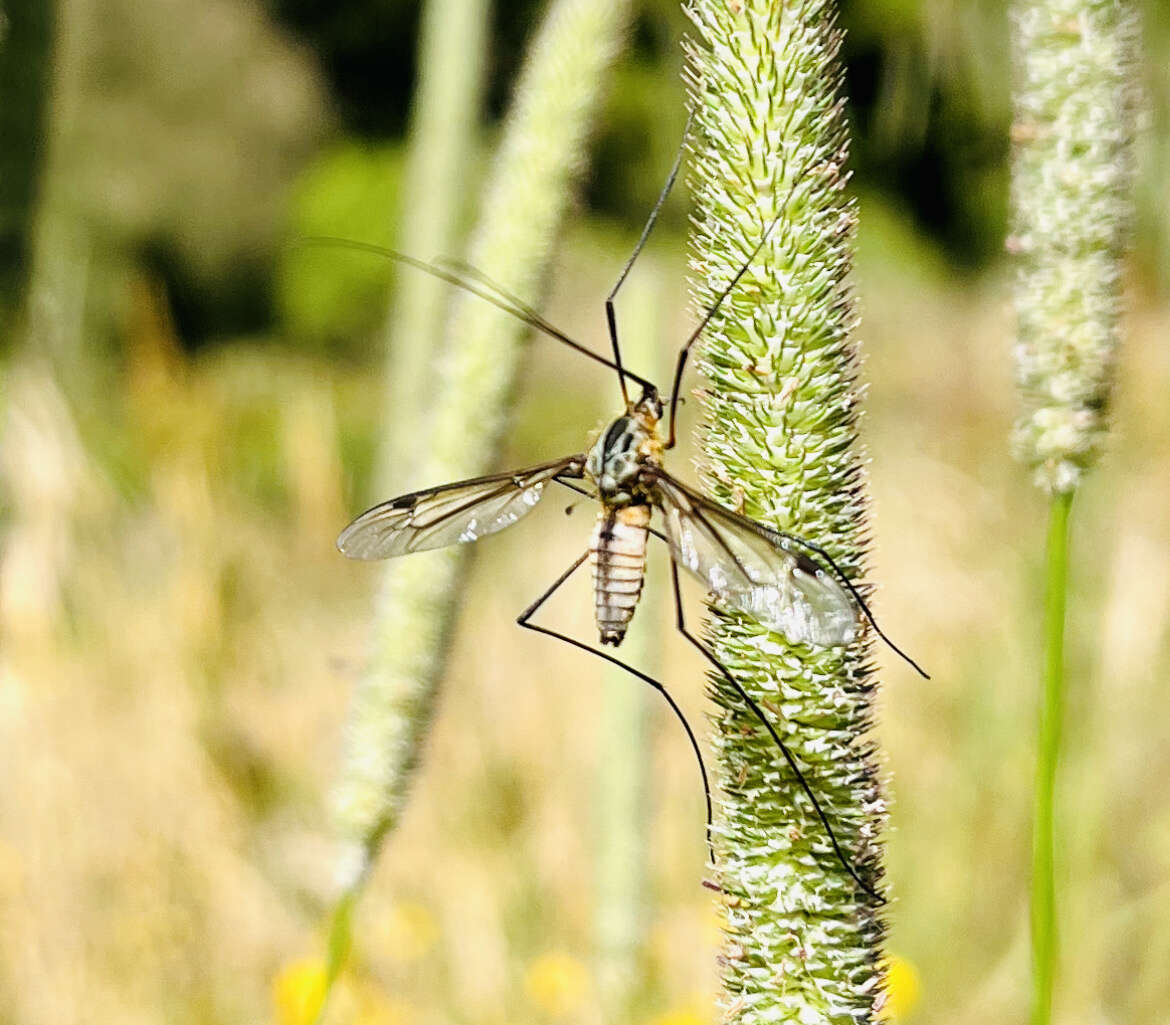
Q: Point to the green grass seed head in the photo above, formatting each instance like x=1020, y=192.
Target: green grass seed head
x=1071, y=212
x=803, y=941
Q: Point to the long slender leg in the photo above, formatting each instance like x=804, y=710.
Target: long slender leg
x=574, y=487
x=610, y=317
x=666, y=541
x=681, y=362
x=524, y=620
x=459, y=274
x=680, y=622
x=849, y=585
x=714, y=307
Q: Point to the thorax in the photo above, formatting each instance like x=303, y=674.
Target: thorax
x=628, y=445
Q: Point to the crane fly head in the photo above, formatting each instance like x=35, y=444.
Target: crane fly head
x=648, y=409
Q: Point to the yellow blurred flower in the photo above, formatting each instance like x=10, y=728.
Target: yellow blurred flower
x=556, y=983
x=902, y=989
x=297, y=991
x=375, y=1008
x=681, y=1017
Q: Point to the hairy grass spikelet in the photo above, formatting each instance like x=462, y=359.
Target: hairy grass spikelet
x=803, y=941
x=1071, y=212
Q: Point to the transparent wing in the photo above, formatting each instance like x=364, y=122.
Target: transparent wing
x=451, y=513
x=749, y=567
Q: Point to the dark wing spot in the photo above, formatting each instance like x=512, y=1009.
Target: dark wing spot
x=806, y=565
x=404, y=502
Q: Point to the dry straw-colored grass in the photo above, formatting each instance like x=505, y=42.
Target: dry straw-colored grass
x=179, y=640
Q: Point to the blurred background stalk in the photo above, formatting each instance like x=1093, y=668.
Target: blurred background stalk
x=43, y=296
x=803, y=942
x=1044, y=945
x=540, y=155
x=26, y=52
x=1075, y=107
x=441, y=168
x=58, y=266
x=26, y=66
x=623, y=778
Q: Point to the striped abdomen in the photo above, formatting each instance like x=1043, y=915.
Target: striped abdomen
x=617, y=553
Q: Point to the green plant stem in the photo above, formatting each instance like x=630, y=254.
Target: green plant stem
x=1075, y=106
x=1044, y=928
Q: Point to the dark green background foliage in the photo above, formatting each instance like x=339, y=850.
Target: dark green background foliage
x=927, y=99
x=25, y=49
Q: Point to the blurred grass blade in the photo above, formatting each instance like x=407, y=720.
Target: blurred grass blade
x=780, y=440
x=60, y=247
x=540, y=153
x=339, y=942
x=1044, y=940
x=440, y=164
x=26, y=46
x=42, y=317
x=622, y=854
x=1072, y=170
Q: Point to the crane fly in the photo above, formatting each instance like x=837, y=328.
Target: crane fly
x=744, y=564
x=790, y=585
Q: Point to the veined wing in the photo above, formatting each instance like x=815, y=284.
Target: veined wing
x=749, y=567
x=451, y=513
